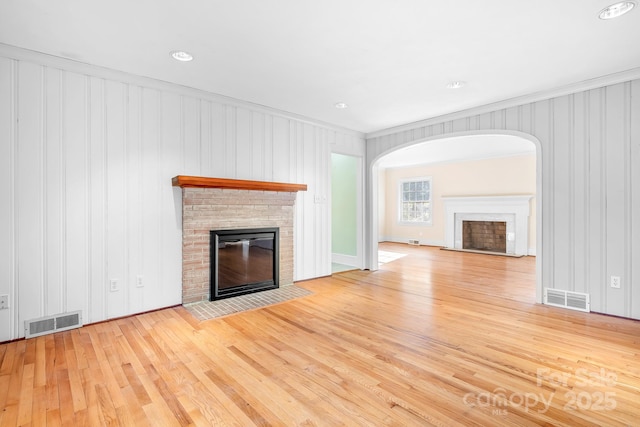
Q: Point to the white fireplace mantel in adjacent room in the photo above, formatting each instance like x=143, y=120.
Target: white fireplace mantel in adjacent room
x=514, y=210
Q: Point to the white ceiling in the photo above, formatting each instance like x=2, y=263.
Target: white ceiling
x=388, y=60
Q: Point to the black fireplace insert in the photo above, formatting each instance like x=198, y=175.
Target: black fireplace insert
x=243, y=261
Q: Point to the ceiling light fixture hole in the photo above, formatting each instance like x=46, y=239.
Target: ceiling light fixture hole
x=456, y=84
x=616, y=10
x=180, y=55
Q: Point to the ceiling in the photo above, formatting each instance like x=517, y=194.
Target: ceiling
x=388, y=60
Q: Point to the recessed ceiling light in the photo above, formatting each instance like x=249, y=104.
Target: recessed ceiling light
x=341, y=105
x=181, y=55
x=616, y=10
x=455, y=84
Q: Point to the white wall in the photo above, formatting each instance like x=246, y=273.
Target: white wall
x=484, y=177
x=86, y=161
x=589, y=189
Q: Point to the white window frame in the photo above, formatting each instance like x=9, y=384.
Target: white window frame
x=401, y=183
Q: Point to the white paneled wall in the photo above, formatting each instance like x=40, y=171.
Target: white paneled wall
x=589, y=157
x=86, y=161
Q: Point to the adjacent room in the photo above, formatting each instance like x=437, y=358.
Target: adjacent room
x=369, y=213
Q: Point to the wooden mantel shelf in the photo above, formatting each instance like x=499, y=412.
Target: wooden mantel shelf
x=185, y=181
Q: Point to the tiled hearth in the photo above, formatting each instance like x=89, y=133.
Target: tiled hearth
x=213, y=309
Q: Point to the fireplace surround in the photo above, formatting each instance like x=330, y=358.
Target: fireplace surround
x=512, y=210
x=223, y=204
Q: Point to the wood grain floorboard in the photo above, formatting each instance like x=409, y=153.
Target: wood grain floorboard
x=434, y=337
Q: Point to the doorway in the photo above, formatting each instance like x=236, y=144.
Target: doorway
x=347, y=222
x=443, y=151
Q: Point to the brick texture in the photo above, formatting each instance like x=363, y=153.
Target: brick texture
x=206, y=209
x=485, y=235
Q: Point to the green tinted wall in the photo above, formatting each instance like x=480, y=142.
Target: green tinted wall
x=343, y=204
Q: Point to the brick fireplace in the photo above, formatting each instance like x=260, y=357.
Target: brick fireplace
x=216, y=204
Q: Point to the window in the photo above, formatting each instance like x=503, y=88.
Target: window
x=415, y=201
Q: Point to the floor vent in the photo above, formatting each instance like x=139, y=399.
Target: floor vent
x=414, y=242
x=51, y=324
x=567, y=299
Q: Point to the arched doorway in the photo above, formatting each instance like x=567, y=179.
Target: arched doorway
x=445, y=148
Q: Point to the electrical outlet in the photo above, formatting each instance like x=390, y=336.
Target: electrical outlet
x=139, y=281
x=615, y=282
x=113, y=285
x=4, y=302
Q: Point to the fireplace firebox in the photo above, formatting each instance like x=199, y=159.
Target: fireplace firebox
x=489, y=236
x=243, y=261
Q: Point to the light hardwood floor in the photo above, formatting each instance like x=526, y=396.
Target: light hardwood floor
x=432, y=338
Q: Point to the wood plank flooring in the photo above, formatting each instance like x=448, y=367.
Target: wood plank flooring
x=432, y=338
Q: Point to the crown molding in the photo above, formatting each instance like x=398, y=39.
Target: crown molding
x=607, y=80
x=21, y=54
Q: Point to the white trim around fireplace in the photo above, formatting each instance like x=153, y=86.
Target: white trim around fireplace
x=514, y=210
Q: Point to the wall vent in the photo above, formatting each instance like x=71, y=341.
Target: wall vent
x=567, y=299
x=51, y=324
x=414, y=242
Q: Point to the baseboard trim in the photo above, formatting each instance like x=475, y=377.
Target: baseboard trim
x=345, y=259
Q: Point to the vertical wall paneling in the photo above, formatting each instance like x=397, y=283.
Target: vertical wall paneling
x=53, y=198
x=88, y=294
x=527, y=118
x=513, y=118
x=268, y=148
x=304, y=217
x=7, y=170
x=325, y=267
x=615, y=202
x=256, y=156
x=634, y=211
x=628, y=200
x=134, y=294
x=75, y=193
x=230, y=139
x=243, y=144
x=485, y=121
x=169, y=291
x=542, y=125
x=280, y=149
x=115, y=114
x=499, y=120
x=578, y=192
x=205, y=132
x=29, y=196
x=151, y=183
x=457, y=126
x=98, y=279
x=596, y=206
x=562, y=221
x=190, y=135
x=309, y=170
x=218, y=140
x=42, y=166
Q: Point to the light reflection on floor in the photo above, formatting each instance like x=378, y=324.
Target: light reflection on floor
x=383, y=258
x=386, y=256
